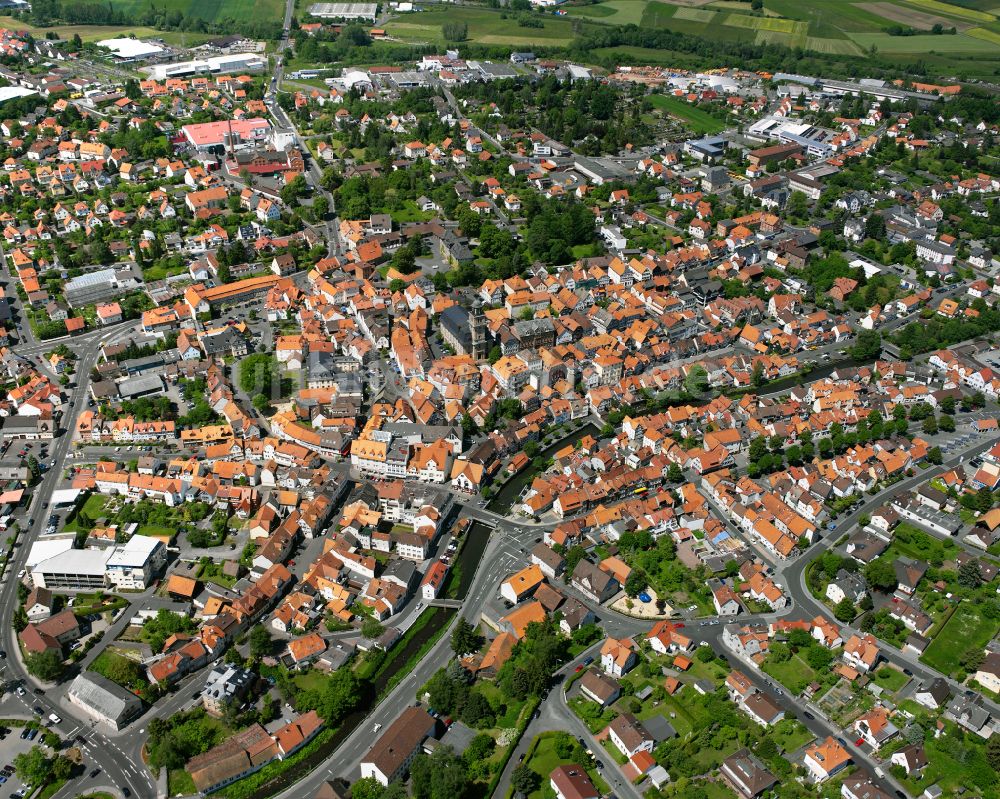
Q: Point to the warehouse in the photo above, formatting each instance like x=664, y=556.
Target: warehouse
x=350, y=11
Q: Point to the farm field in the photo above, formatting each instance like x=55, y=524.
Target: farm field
x=843, y=27
x=696, y=119
x=485, y=27
x=967, y=629
x=613, y=12
x=92, y=33
x=210, y=10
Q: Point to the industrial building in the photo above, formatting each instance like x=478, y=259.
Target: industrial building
x=249, y=63
x=365, y=12
x=130, y=51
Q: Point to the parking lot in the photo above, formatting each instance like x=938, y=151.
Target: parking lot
x=11, y=745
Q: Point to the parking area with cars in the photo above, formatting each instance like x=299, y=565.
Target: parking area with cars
x=13, y=742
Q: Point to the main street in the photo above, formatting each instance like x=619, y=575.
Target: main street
x=100, y=750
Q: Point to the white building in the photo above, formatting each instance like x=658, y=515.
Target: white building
x=73, y=569
x=134, y=564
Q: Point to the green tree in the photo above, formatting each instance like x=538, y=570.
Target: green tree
x=867, y=345
x=260, y=642
x=674, y=473
x=47, y=665
x=993, y=753
x=465, y=638
x=635, y=582
x=881, y=574
x=455, y=31
x=845, y=610
x=524, y=780
x=367, y=788
x=442, y=775
x=338, y=695
x=259, y=375
x=371, y=628
x=34, y=767
x=969, y=574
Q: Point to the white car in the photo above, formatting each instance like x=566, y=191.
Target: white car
x=377, y=727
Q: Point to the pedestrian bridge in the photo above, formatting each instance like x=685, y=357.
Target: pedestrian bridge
x=445, y=603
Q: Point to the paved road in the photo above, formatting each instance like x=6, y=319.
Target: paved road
x=99, y=748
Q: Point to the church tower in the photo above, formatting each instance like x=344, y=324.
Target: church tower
x=477, y=332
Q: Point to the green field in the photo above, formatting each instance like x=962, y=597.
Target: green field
x=696, y=119
x=209, y=10
x=485, y=26
x=956, y=11
x=766, y=23
x=959, y=43
x=966, y=629
x=544, y=759
x=614, y=12
x=91, y=33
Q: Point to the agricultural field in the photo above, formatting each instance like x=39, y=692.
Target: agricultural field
x=485, y=26
x=92, y=33
x=210, y=10
x=613, y=12
x=840, y=27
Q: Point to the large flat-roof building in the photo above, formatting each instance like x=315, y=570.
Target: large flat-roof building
x=235, y=133
x=73, y=569
x=129, y=51
x=92, y=287
x=134, y=564
x=104, y=700
x=216, y=65
x=359, y=11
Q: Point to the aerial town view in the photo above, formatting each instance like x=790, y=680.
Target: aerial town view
x=500, y=399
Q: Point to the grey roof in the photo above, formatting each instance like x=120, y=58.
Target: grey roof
x=103, y=697
x=660, y=728
x=142, y=384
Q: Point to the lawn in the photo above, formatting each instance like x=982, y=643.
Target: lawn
x=212, y=573
x=310, y=680
x=915, y=543
x=948, y=772
x=890, y=679
x=591, y=714
x=967, y=628
x=699, y=121
x=93, y=509
x=179, y=783
x=790, y=735
x=795, y=674
x=544, y=759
